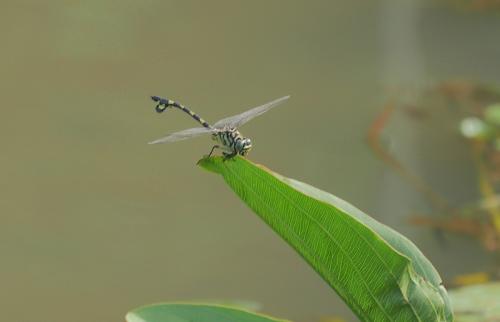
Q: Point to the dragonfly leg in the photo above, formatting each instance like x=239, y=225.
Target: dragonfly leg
x=211, y=151
x=228, y=156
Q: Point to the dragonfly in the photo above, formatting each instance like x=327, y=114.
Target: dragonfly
x=224, y=132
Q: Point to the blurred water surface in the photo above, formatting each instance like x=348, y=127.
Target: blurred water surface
x=95, y=222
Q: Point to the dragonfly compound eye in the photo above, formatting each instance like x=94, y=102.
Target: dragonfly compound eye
x=244, y=146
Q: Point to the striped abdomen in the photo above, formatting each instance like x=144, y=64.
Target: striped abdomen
x=163, y=104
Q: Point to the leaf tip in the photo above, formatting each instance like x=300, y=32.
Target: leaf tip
x=210, y=163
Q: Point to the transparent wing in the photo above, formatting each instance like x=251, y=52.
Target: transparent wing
x=238, y=120
x=183, y=135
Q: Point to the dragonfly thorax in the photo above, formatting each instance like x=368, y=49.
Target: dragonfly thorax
x=232, y=142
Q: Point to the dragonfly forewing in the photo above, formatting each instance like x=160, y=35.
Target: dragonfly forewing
x=183, y=135
x=238, y=120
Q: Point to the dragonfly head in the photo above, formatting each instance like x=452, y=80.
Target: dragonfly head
x=243, y=146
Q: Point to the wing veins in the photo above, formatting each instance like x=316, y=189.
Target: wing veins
x=183, y=135
x=238, y=120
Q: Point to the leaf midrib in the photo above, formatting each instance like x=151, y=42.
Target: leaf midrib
x=327, y=233
x=256, y=173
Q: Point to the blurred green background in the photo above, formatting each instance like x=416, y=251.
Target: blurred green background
x=95, y=222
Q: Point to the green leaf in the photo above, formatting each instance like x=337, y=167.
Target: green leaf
x=477, y=303
x=184, y=312
x=492, y=114
x=379, y=273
